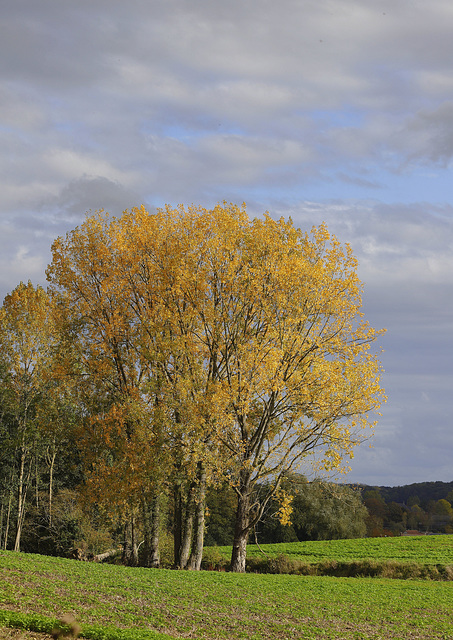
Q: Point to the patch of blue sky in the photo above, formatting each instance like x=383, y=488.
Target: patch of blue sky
x=423, y=184
x=419, y=184
x=346, y=117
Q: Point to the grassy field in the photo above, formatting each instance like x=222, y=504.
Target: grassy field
x=118, y=603
x=421, y=549
x=423, y=557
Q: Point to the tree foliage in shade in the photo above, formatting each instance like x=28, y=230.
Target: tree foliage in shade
x=320, y=510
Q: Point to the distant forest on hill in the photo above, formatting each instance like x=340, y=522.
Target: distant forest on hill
x=424, y=491
x=423, y=506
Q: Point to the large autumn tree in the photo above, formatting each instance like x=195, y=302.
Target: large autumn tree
x=114, y=282
x=254, y=354
x=276, y=314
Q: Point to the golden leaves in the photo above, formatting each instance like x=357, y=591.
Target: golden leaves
x=245, y=333
x=27, y=331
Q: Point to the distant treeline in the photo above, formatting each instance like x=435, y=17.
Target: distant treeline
x=422, y=506
x=424, y=491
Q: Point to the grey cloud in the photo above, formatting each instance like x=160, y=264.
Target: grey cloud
x=429, y=134
x=413, y=440
x=90, y=193
x=95, y=75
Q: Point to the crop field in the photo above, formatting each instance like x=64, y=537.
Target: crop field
x=119, y=603
x=420, y=549
x=423, y=557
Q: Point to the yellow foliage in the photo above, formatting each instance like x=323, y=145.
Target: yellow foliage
x=231, y=340
x=27, y=338
x=285, y=509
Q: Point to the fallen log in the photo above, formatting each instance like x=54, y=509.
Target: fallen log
x=110, y=553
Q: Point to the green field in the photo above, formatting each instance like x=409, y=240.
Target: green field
x=420, y=557
x=115, y=602
x=421, y=549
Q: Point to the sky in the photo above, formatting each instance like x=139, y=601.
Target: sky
x=335, y=111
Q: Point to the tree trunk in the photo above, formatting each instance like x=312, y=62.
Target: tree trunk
x=127, y=547
x=51, y=462
x=21, y=517
x=242, y=526
x=134, y=554
x=151, y=527
x=5, y=539
x=130, y=549
x=1, y=524
x=188, y=513
x=183, y=526
x=110, y=553
x=36, y=480
x=20, y=499
x=196, y=556
x=177, y=523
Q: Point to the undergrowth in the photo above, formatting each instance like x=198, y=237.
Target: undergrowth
x=284, y=564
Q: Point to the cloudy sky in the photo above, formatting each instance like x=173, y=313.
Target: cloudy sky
x=323, y=110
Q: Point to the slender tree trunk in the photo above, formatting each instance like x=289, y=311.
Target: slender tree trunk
x=151, y=525
x=20, y=499
x=183, y=526
x=177, y=524
x=8, y=514
x=188, y=513
x=242, y=526
x=130, y=549
x=134, y=555
x=196, y=556
x=25, y=492
x=154, y=554
x=1, y=524
x=36, y=481
x=51, y=462
x=126, y=555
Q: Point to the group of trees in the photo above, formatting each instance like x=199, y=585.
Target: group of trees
x=173, y=353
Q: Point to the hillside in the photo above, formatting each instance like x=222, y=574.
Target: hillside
x=424, y=491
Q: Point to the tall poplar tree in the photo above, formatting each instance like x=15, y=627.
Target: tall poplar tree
x=275, y=319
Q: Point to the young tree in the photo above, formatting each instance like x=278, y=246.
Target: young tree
x=27, y=337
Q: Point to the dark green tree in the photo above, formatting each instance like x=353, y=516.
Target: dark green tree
x=321, y=511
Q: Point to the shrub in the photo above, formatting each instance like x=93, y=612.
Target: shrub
x=213, y=560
